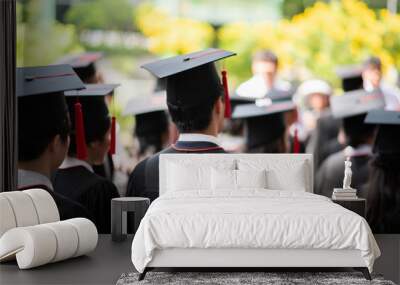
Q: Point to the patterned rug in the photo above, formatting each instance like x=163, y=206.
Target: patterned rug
x=242, y=278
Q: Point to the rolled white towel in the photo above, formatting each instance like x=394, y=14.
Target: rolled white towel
x=40, y=244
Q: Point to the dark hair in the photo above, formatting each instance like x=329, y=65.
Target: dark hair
x=373, y=62
x=195, y=118
x=266, y=55
x=40, y=119
x=383, y=210
x=356, y=131
x=149, y=130
x=276, y=146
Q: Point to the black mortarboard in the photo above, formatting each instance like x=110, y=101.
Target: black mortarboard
x=192, y=79
x=280, y=95
x=351, y=77
x=237, y=100
x=46, y=79
x=264, y=123
x=83, y=64
x=89, y=114
x=355, y=103
x=42, y=111
x=387, y=140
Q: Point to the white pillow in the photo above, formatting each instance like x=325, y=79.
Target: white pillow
x=188, y=176
x=251, y=179
x=282, y=174
x=223, y=179
x=185, y=177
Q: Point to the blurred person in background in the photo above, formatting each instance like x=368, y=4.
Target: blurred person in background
x=85, y=66
x=266, y=126
x=351, y=108
x=383, y=189
x=372, y=80
x=76, y=178
x=265, y=81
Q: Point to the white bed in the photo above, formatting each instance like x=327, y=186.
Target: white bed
x=247, y=210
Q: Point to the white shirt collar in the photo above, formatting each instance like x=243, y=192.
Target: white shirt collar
x=73, y=162
x=195, y=137
x=28, y=178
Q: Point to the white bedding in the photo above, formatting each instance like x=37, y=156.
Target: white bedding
x=251, y=219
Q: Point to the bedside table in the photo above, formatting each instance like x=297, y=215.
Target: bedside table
x=357, y=205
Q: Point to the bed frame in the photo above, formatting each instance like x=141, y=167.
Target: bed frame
x=259, y=259
x=248, y=259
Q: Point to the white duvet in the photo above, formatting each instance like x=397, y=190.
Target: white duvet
x=251, y=219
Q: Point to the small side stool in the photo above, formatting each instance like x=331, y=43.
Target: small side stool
x=119, y=208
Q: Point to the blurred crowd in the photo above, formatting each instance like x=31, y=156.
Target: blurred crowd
x=268, y=115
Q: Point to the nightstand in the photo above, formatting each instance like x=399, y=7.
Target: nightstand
x=357, y=205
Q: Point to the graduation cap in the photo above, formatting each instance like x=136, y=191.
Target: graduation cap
x=351, y=76
x=279, y=95
x=46, y=79
x=355, y=103
x=192, y=79
x=160, y=86
x=42, y=111
x=265, y=122
x=90, y=116
x=387, y=140
x=83, y=64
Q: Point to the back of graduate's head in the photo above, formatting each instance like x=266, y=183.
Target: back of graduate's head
x=196, y=107
x=357, y=132
x=152, y=131
x=43, y=128
x=266, y=134
x=97, y=124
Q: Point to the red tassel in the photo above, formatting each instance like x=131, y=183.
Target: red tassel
x=226, y=95
x=113, y=136
x=296, y=143
x=81, y=151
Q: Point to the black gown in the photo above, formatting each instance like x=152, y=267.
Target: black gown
x=144, y=179
x=331, y=173
x=89, y=189
x=323, y=141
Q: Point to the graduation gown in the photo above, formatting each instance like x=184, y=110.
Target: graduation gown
x=67, y=208
x=144, y=180
x=94, y=192
x=323, y=141
x=331, y=173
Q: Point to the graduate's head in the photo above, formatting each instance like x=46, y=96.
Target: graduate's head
x=43, y=128
x=265, y=126
x=352, y=108
x=152, y=131
x=43, y=121
x=195, y=92
x=265, y=63
x=372, y=71
x=96, y=121
x=357, y=132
